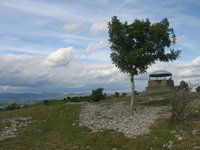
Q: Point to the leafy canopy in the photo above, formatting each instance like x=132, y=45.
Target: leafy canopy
x=138, y=45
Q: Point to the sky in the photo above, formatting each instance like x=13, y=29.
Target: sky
x=62, y=45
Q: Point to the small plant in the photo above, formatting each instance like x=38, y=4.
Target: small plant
x=13, y=106
x=75, y=99
x=198, y=89
x=46, y=102
x=180, y=101
x=64, y=99
x=116, y=94
x=97, y=95
x=123, y=94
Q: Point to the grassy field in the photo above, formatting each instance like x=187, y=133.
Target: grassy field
x=56, y=127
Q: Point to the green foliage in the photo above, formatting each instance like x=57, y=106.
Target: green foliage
x=180, y=105
x=46, y=102
x=140, y=44
x=184, y=86
x=13, y=106
x=123, y=94
x=116, y=94
x=198, y=89
x=75, y=99
x=97, y=94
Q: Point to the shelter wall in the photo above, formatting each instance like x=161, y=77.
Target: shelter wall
x=160, y=85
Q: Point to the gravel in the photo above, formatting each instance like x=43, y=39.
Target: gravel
x=16, y=124
x=119, y=117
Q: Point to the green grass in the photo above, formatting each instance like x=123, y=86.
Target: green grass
x=3, y=125
x=56, y=127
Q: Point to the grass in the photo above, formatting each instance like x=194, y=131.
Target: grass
x=56, y=127
x=3, y=125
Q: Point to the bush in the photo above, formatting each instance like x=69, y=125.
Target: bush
x=184, y=86
x=75, y=99
x=97, y=95
x=46, y=102
x=13, y=106
x=179, y=102
x=198, y=89
x=124, y=94
x=116, y=94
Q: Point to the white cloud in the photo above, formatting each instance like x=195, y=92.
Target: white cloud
x=196, y=61
x=60, y=57
x=181, y=38
x=193, y=63
x=73, y=26
x=92, y=47
x=97, y=29
x=28, y=74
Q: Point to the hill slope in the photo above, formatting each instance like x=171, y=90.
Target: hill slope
x=56, y=126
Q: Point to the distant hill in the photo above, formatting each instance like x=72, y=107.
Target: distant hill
x=32, y=98
x=27, y=96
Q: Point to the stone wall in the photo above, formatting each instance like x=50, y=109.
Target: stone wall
x=160, y=85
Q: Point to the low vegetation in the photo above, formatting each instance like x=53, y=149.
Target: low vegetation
x=55, y=126
x=97, y=95
x=12, y=106
x=198, y=89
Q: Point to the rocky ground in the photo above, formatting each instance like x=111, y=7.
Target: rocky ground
x=16, y=123
x=118, y=117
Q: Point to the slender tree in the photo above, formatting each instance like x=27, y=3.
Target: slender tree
x=136, y=46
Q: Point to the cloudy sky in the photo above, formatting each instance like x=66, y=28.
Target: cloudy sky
x=62, y=45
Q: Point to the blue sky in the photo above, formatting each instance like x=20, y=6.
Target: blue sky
x=61, y=45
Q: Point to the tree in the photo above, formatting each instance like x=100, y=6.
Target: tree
x=184, y=86
x=136, y=46
x=116, y=94
x=198, y=89
x=97, y=94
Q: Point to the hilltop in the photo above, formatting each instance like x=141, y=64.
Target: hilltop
x=56, y=125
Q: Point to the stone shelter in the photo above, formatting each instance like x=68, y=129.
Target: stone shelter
x=159, y=81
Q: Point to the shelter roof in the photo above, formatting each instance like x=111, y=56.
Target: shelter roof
x=160, y=73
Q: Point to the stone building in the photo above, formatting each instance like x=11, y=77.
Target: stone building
x=159, y=81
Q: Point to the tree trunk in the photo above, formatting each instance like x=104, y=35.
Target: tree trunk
x=132, y=93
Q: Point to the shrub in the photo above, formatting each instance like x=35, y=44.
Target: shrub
x=179, y=102
x=13, y=106
x=97, y=94
x=198, y=89
x=116, y=94
x=46, y=102
x=26, y=106
x=124, y=94
x=184, y=86
x=75, y=99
